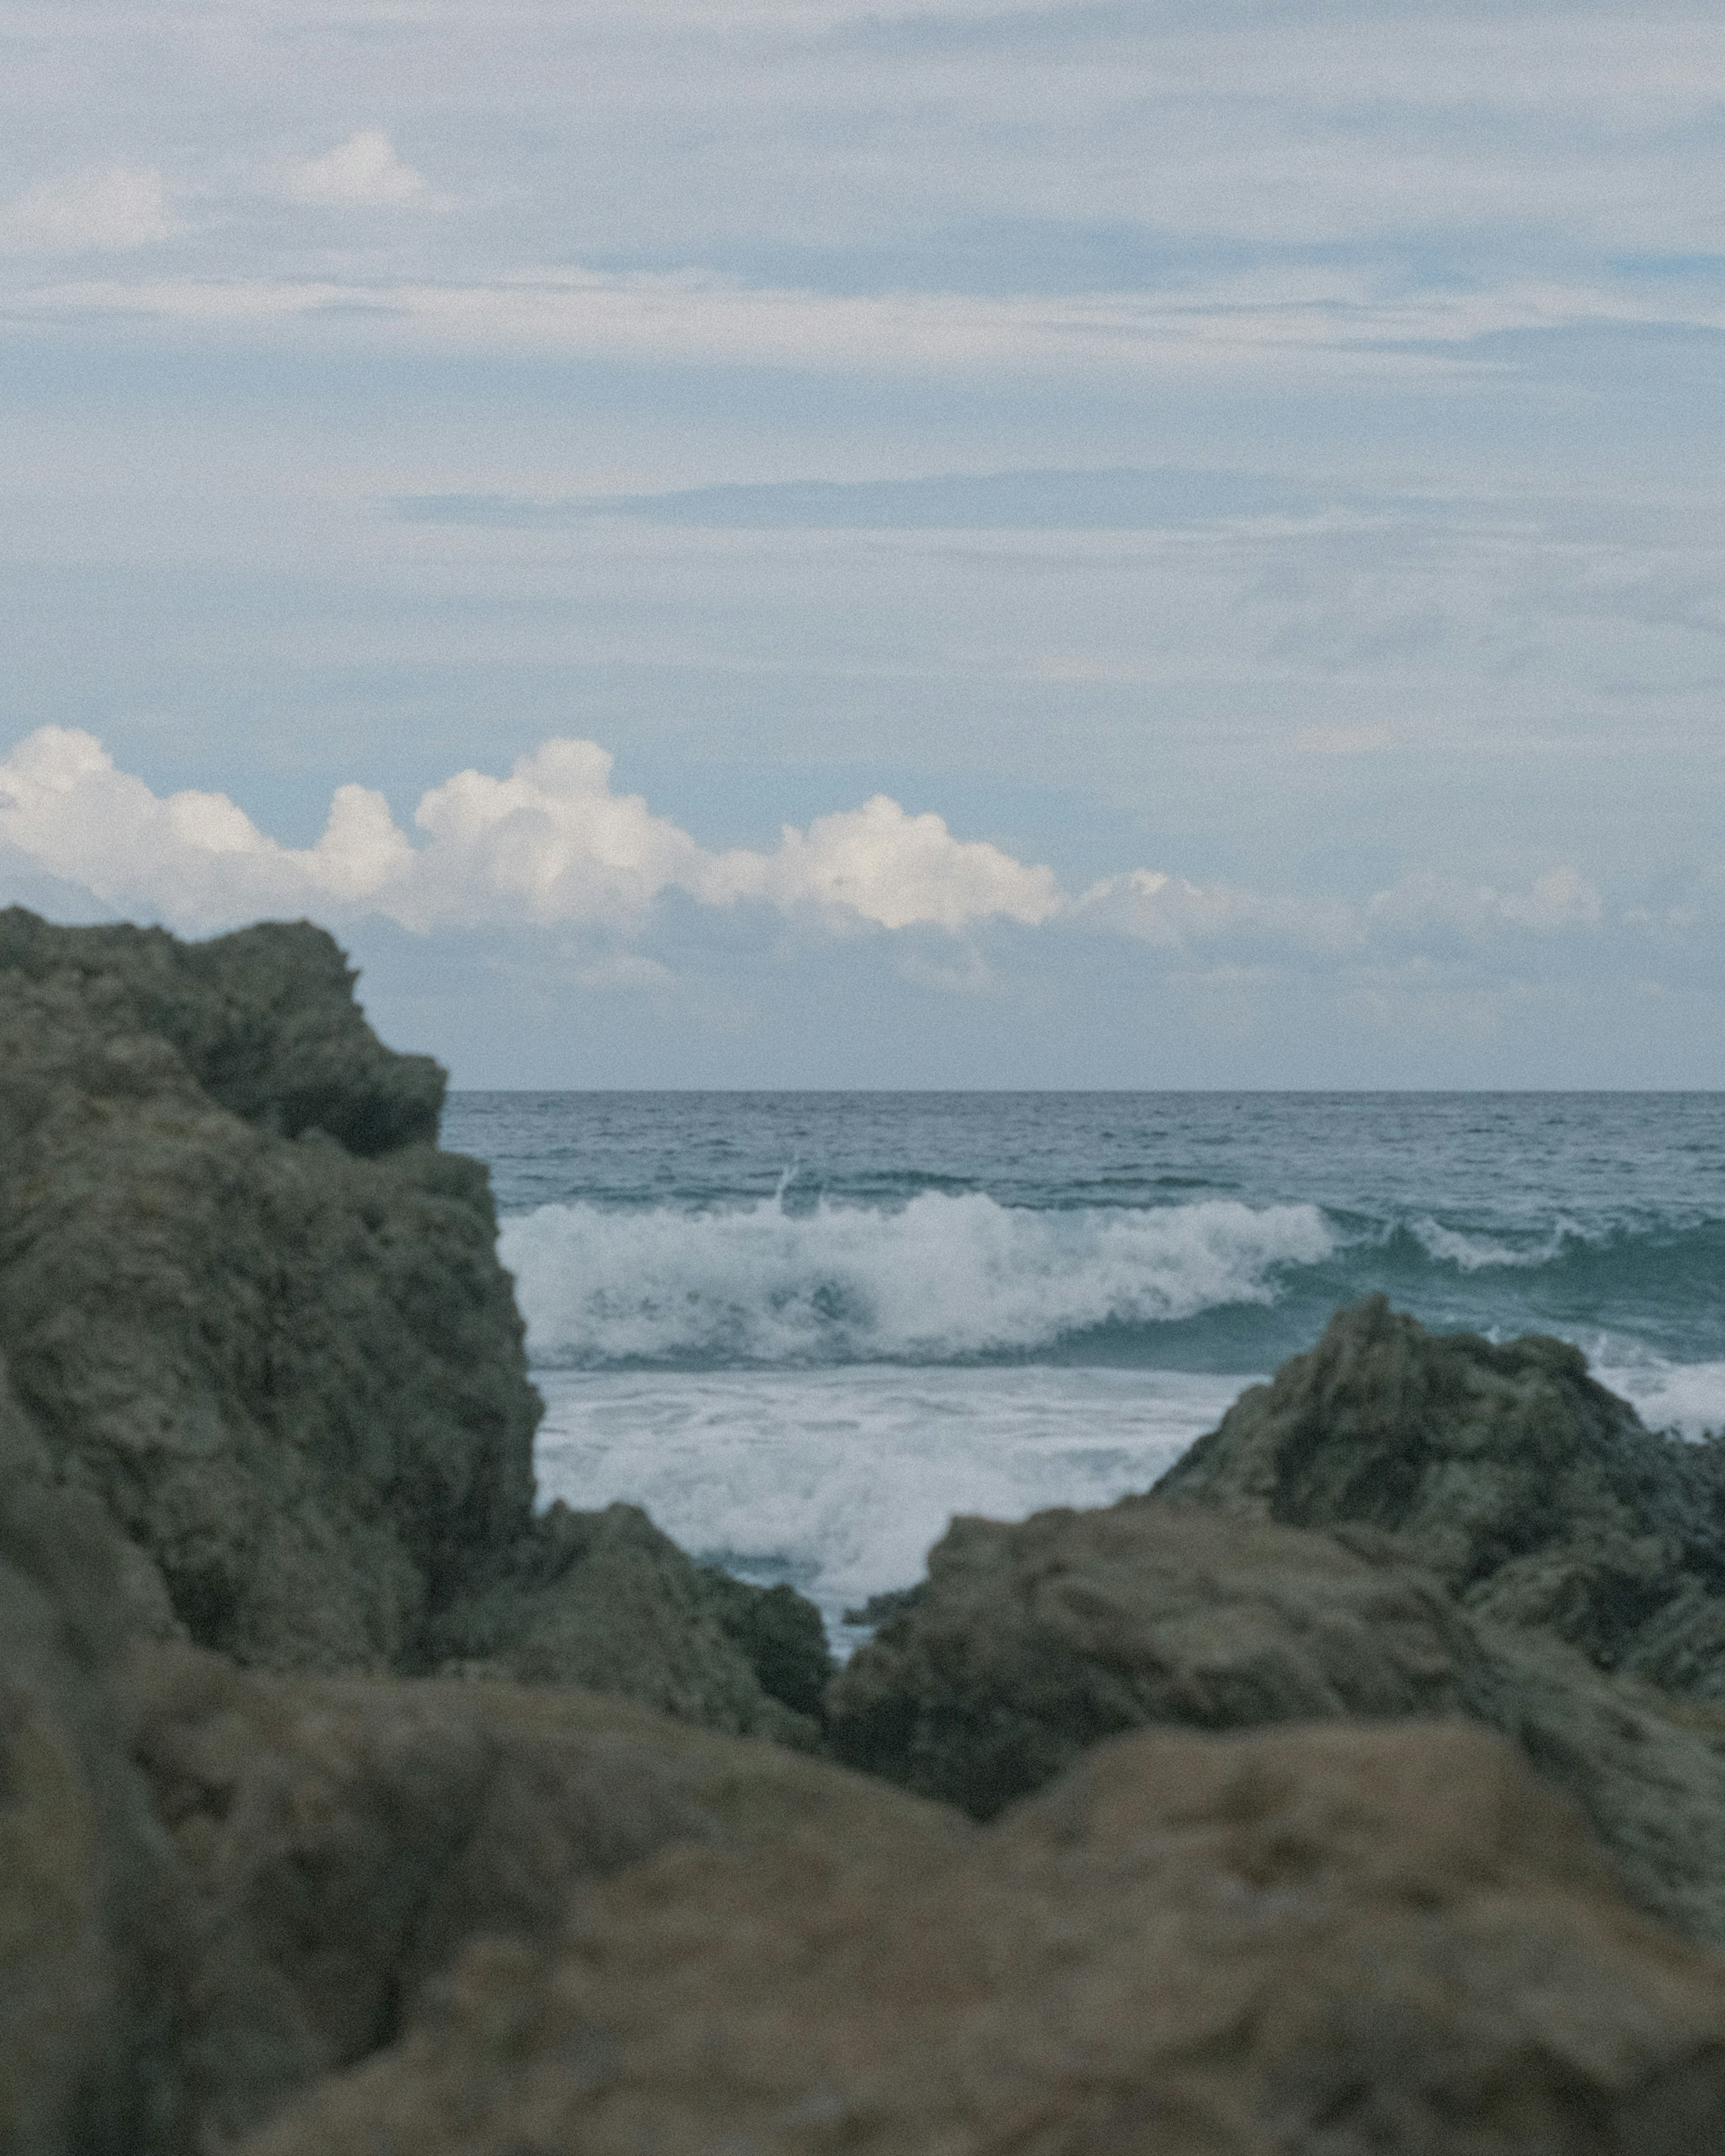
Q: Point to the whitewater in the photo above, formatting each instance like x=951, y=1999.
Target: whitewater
x=804, y=1330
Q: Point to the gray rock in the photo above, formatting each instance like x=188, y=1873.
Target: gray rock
x=218, y=1885
x=1538, y=1496
x=604, y=1599
x=343, y=1839
x=1027, y=1643
x=258, y=1314
x=92, y=1933
x=294, y=1376
x=1332, y=1939
x=265, y=1020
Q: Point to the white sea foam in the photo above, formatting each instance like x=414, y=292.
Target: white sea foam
x=939, y=1278
x=1472, y=1254
x=840, y=1480
x=1687, y=1397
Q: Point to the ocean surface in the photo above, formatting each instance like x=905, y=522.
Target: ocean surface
x=803, y=1329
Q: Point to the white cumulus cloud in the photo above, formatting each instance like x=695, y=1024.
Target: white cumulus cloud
x=554, y=844
x=363, y=172
x=551, y=843
x=109, y=205
x=897, y=870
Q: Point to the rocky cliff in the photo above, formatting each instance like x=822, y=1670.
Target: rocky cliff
x=249, y=1307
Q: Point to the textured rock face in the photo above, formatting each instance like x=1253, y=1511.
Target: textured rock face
x=1330, y=1939
x=342, y=1839
x=219, y=1885
x=1030, y=1643
x=90, y=1931
x=1534, y=1493
x=257, y=1314
x=294, y=1375
x=265, y=1021
x=604, y=1599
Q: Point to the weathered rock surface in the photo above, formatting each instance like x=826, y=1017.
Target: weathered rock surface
x=265, y=1021
x=91, y=1943
x=604, y=1599
x=1030, y=1643
x=1536, y=1494
x=342, y=1838
x=1027, y=1643
x=1331, y=1939
x=217, y=1885
x=257, y=1314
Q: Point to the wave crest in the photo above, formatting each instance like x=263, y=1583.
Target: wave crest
x=942, y=1278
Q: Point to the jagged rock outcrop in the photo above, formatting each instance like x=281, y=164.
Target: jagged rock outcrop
x=255, y=1312
x=1340, y=1940
x=1536, y=1494
x=218, y=1885
x=264, y=1020
x=605, y=1599
x=1501, y=1531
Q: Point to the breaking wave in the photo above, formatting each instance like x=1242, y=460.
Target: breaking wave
x=941, y=1279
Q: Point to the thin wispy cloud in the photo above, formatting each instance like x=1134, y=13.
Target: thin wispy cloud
x=1327, y=329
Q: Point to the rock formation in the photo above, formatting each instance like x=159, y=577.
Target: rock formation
x=1334, y=1939
x=1536, y=1494
x=252, y=1309
x=338, y=1841
x=91, y=1948
x=1497, y=1468
x=1030, y=1643
x=310, y=1842
x=218, y=1885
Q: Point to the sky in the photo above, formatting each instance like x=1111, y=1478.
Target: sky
x=884, y=542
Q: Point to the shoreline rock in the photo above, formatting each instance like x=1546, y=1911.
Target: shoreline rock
x=1536, y=1494
x=249, y=1307
x=1362, y=1538
x=1329, y=1938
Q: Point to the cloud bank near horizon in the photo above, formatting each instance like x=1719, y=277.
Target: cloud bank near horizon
x=554, y=844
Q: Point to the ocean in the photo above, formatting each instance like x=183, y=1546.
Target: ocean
x=803, y=1329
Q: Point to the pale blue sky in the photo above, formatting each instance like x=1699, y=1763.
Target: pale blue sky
x=1253, y=471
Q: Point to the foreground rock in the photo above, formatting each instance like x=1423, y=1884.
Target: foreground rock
x=1331, y=1939
x=218, y=1885
x=604, y=1599
x=340, y=1839
x=1536, y=1494
x=1401, y=1522
x=1030, y=1643
x=98, y=1936
x=251, y=1308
